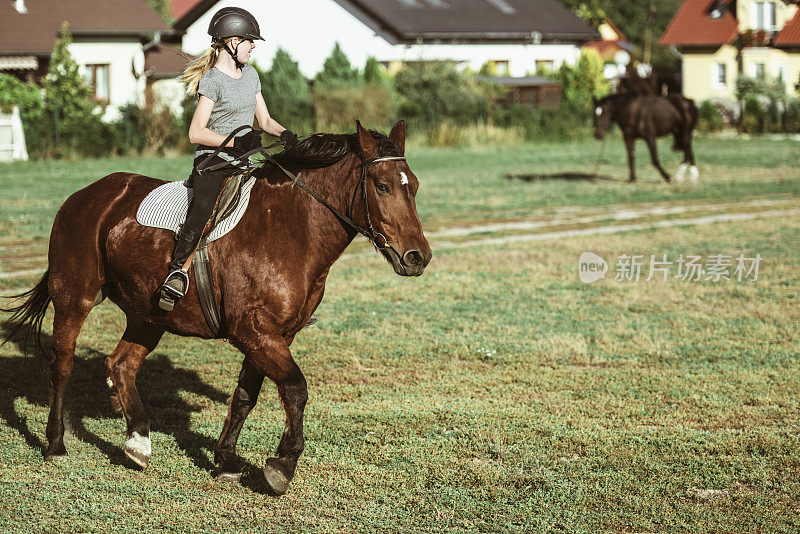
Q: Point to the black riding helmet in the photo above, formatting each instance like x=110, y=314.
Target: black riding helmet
x=234, y=22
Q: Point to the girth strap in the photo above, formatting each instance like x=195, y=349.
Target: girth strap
x=204, y=281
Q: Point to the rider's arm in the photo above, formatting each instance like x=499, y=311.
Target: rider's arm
x=265, y=122
x=198, y=133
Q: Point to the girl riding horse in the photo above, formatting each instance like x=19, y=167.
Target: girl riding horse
x=229, y=95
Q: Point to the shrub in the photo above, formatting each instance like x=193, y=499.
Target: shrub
x=753, y=115
x=583, y=83
x=339, y=105
x=709, y=117
x=435, y=91
x=551, y=124
x=146, y=131
x=791, y=116
x=13, y=92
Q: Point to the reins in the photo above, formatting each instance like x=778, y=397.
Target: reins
x=370, y=232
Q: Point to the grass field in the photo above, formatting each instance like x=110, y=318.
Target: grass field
x=495, y=393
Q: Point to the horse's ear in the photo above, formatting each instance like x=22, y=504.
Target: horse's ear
x=398, y=135
x=368, y=144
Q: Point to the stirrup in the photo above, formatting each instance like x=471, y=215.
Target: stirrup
x=171, y=294
x=311, y=320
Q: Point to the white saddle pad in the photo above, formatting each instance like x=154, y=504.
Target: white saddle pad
x=166, y=205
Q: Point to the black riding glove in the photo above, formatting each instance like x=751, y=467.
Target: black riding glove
x=247, y=142
x=289, y=138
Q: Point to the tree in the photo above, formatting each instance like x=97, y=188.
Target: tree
x=375, y=73
x=337, y=68
x=287, y=93
x=66, y=91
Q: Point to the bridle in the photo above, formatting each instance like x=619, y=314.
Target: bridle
x=369, y=232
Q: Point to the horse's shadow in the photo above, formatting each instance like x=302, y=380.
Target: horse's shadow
x=160, y=385
x=567, y=176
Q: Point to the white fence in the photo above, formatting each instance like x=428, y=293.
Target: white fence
x=12, y=137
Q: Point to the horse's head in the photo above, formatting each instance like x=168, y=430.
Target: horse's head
x=390, y=189
x=602, y=117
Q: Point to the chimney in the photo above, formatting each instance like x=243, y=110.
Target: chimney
x=19, y=5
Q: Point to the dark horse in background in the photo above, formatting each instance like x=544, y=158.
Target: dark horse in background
x=648, y=117
x=276, y=261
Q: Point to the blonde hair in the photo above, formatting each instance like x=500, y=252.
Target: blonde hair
x=197, y=68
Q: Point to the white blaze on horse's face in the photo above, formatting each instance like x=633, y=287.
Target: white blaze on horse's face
x=598, y=111
x=403, y=178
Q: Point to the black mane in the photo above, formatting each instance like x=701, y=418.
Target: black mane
x=325, y=149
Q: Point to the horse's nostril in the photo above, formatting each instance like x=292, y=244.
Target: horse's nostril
x=413, y=258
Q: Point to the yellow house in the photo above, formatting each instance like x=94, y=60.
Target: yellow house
x=721, y=40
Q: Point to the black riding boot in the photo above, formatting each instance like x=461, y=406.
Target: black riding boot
x=177, y=282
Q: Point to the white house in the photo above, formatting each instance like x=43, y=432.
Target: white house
x=110, y=42
x=518, y=35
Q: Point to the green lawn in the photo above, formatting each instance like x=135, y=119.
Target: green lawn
x=494, y=393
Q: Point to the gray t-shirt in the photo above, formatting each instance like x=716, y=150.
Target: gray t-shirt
x=234, y=101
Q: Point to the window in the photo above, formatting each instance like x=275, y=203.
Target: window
x=758, y=71
x=719, y=75
x=764, y=16
x=97, y=76
x=782, y=72
x=501, y=65
x=544, y=65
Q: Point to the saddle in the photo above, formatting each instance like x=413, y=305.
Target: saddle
x=166, y=207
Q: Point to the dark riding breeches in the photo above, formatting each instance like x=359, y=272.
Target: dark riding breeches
x=207, y=187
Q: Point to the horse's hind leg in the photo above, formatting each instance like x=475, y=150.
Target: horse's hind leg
x=651, y=144
x=122, y=365
x=67, y=321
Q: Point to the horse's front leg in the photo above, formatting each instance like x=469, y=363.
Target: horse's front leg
x=267, y=353
x=242, y=402
x=631, y=148
x=651, y=144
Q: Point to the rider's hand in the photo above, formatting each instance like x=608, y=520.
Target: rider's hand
x=288, y=138
x=247, y=142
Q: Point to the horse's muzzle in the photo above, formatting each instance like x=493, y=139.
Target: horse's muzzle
x=412, y=263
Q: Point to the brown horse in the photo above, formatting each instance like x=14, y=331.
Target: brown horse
x=276, y=261
x=649, y=117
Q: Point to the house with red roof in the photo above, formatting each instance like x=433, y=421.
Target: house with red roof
x=120, y=46
x=722, y=40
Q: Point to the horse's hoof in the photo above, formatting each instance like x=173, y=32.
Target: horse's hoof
x=227, y=477
x=137, y=448
x=55, y=453
x=138, y=457
x=276, y=479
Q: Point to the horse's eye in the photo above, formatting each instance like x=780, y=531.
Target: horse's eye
x=382, y=188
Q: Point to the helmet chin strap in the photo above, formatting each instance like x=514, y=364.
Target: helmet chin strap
x=234, y=54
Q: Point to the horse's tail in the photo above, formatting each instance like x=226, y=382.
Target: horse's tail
x=29, y=315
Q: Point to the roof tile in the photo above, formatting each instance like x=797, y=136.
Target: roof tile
x=693, y=26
